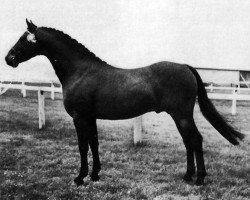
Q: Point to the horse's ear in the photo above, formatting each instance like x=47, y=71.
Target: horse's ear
x=31, y=27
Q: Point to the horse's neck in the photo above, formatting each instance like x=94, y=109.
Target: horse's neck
x=68, y=63
x=64, y=64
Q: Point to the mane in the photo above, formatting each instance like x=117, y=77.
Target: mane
x=80, y=49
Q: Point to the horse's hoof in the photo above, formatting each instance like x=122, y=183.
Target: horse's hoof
x=187, y=178
x=94, y=177
x=78, y=181
x=199, y=182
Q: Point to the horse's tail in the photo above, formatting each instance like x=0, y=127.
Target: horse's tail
x=212, y=115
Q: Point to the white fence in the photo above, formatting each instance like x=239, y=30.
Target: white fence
x=223, y=93
x=20, y=85
x=235, y=94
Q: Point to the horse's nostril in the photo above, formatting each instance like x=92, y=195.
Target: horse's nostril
x=11, y=60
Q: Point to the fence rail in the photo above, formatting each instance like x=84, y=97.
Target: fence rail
x=5, y=85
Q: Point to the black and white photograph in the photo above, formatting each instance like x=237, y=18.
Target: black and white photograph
x=125, y=100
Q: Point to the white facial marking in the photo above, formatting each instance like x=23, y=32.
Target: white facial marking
x=31, y=37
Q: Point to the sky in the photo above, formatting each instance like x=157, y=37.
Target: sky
x=135, y=33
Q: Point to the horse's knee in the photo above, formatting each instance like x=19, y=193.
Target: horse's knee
x=184, y=123
x=84, y=148
x=197, y=141
x=94, y=141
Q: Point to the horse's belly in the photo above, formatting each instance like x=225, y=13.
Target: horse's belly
x=121, y=114
x=125, y=108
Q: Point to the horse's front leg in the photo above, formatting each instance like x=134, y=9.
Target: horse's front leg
x=93, y=143
x=84, y=128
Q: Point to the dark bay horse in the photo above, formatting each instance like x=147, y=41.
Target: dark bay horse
x=93, y=89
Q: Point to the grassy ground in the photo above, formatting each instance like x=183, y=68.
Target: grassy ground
x=41, y=164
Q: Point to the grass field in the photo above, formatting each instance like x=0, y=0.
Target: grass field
x=41, y=164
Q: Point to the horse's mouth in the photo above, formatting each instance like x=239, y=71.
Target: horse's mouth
x=14, y=64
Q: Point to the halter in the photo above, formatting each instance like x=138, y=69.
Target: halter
x=31, y=37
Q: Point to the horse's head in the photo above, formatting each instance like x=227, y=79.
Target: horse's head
x=25, y=48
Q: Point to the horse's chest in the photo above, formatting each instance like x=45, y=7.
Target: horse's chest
x=77, y=103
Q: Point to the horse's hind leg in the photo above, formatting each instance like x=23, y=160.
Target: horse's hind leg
x=193, y=143
x=189, y=148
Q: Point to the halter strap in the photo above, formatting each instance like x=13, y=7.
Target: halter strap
x=33, y=39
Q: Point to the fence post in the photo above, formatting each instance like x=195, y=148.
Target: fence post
x=1, y=89
x=211, y=87
x=41, y=112
x=52, y=91
x=234, y=100
x=23, y=89
x=137, y=130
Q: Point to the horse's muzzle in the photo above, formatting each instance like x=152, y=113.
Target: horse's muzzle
x=11, y=60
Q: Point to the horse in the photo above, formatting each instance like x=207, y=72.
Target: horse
x=93, y=89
